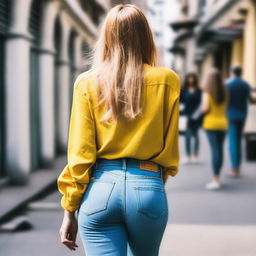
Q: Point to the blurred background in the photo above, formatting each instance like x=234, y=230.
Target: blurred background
x=44, y=45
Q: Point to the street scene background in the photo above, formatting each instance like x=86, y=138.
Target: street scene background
x=44, y=45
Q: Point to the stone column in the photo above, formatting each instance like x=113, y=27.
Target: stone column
x=249, y=61
x=78, y=55
x=206, y=65
x=180, y=65
x=190, y=56
x=63, y=76
x=18, y=155
x=47, y=83
x=237, y=52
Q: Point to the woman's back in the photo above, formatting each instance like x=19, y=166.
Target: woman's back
x=123, y=142
x=143, y=137
x=191, y=101
x=215, y=118
x=215, y=122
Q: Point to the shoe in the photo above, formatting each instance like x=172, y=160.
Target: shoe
x=195, y=160
x=213, y=185
x=186, y=160
x=234, y=175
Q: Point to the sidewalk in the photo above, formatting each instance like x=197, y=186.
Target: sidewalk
x=211, y=223
x=209, y=240
x=14, y=198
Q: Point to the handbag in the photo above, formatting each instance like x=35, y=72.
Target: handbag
x=198, y=116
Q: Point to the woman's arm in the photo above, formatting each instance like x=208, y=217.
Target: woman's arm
x=168, y=158
x=68, y=230
x=81, y=155
x=170, y=153
x=205, y=103
x=252, y=97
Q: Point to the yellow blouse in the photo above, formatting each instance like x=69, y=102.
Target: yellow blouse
x=215, y=119
x=152, y=136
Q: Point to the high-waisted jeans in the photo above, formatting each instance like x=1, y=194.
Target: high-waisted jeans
x=216, y=140
x=124, y=211
x=192, y=133
x=235, y=133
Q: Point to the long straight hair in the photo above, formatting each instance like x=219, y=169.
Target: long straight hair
x=186, y=81
x=125, y=44
x=214, y=85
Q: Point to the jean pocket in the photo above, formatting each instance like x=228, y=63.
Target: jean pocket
x=152, y=201
x=96, y=197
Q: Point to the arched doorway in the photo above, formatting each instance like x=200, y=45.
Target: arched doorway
x=35, y=31
x=4, y=24
x=222, y=59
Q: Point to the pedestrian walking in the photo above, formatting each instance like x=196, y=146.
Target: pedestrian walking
x=239, y=97
x=214, y=105
x=191, y=99
x=123, y=143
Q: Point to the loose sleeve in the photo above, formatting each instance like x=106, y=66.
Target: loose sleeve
x=168, y=158
x=81, y=152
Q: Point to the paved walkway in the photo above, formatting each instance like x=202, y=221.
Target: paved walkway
x=14, y=197
x=211, y=223
x=201, y=223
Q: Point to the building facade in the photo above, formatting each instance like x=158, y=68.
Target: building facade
x=220, y=33
x=44, y=44
x=184, y=44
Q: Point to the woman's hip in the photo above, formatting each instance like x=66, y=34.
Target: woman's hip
x=126, y=168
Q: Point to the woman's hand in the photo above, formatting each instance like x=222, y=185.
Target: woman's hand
x=68, y=230
x=165, y=177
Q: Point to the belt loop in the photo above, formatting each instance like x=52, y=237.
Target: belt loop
x=124, y=164
x=161, y=171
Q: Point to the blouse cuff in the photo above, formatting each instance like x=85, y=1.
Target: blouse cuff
x=171, y=171
x=69, y=206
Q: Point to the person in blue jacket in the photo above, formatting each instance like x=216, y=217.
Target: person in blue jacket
x=239, y=95
x=191, y=99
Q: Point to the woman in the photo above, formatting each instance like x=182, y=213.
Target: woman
x=215, y=122
x=191, y=98
x=123, y=143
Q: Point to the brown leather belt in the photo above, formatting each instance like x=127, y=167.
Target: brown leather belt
x=129, y=162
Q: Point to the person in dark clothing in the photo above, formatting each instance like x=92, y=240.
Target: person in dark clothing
x=239, y=95
x=191, y=99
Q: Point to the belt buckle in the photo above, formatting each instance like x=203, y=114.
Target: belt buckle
x=148, y=166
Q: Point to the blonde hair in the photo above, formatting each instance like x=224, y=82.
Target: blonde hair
x=125, y=44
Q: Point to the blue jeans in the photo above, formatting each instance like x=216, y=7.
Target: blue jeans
x=216, y=141
x=124, y=210
x=235, y=131
x=192, y=132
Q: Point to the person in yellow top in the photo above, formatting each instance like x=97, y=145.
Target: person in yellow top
x=215, y=122
x=123, y=143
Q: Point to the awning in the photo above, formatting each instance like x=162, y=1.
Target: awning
x=183, y=24
x=219, y=35
x=177, y=50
